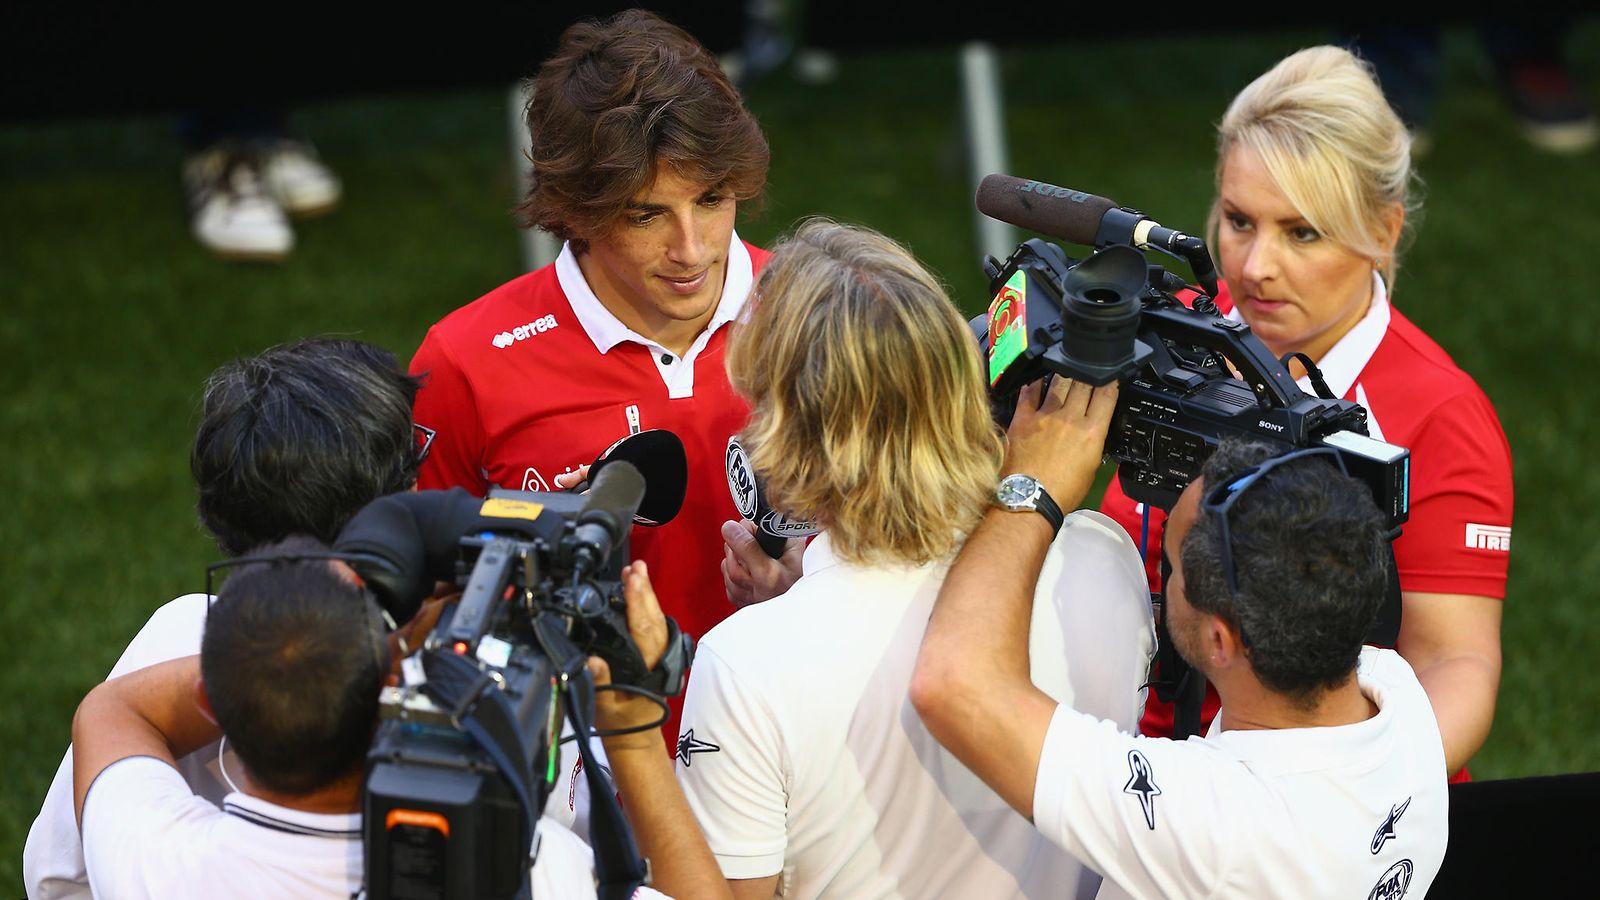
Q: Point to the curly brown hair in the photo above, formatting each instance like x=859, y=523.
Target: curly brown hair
x=618, y=99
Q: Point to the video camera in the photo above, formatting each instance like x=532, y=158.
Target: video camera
x=1115, y=316
x=1189, y=377
x=467, y=749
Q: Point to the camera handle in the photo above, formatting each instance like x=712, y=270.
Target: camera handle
x=1266, y=375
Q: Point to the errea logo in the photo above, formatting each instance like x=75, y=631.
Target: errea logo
x=522, y=332
x=1488, y=537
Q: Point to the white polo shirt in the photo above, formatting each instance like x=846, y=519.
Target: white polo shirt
x=801, y=754
x=53, y=860
x=146, y=835
x=1356, y=810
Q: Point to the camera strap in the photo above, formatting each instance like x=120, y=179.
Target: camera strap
x=1313, y=374
x=483, y=711
x=618, y=867
x=1177, y=682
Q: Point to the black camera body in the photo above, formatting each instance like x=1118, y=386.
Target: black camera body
x=1114, y=316
x=467, y=749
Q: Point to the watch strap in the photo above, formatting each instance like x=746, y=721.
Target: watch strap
x=1050, y=509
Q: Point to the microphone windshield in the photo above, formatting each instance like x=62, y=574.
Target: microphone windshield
x=613, y=499
x=659, y=457
x=1060, y=212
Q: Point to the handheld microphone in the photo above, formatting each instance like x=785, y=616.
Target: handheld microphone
x=773, y=528
x=1086, y=219
x=659, y=456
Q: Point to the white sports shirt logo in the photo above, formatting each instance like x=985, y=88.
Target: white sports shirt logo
x=522, y=332
x=1489, y=537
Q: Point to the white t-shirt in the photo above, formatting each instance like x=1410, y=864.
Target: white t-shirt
x=801, y=754
x=1348, y=811
x=147, y=835
x=52, y=859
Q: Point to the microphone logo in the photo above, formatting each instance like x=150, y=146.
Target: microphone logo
x=1044, y=189
x=741, y=479
x=776, y=523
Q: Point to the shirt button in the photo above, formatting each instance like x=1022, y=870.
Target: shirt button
x=666, y=359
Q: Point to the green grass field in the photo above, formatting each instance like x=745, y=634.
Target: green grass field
x=110, y=317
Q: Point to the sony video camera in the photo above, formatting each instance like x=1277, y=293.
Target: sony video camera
x=468, y=746
x=1115, y=316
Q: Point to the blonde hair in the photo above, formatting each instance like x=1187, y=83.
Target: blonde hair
x=1330, y=141
x=868, y=406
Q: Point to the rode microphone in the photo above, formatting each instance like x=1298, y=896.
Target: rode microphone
x=659, y=457
x=773, y=528
x=1086, y=219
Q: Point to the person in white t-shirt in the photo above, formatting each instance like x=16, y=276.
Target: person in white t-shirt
x=294, y=439
x=291, y=663
x=799, y=752
x=1322, y=776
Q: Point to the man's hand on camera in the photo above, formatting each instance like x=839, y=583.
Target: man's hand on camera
x=1060, y=438
x=748, y=573
x=648, y=627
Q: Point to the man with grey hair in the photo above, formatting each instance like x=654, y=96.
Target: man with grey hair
x=293, y=440
x=1324, y=773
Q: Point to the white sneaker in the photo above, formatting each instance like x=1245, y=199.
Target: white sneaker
x=298, y=179
x=230, y=214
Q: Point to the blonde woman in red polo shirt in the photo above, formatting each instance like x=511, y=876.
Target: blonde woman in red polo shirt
x=1313, y=197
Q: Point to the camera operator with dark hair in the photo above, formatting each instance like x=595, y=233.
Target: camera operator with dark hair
x=291, y=665
x=1323, y=774
x=293, y=440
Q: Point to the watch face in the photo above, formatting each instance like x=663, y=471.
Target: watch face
x=1017, y=490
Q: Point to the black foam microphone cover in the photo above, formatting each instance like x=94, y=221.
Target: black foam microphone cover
x=614, y=497
x=659, y=457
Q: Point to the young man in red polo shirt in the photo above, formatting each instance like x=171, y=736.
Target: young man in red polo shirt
x=642, y=154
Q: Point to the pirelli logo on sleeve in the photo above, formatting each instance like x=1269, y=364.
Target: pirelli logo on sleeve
x=1489, y=537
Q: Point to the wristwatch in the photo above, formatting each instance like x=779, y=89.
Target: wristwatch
x=1022, y=493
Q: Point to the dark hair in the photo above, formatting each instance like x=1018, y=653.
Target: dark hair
x=1310, y=559
x=617, y=99
x=296, y=439
x=293, y=658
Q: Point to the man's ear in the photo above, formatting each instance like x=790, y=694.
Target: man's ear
x=203, y=702
x=1224, y=646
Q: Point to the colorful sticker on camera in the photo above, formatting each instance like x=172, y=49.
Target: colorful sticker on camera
x=1008, y=325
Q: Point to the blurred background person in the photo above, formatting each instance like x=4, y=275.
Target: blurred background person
x=246, y=174
x=1529, y=61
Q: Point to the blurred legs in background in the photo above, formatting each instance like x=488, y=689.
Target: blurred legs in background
x=1529, y=67
x=245, y=174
